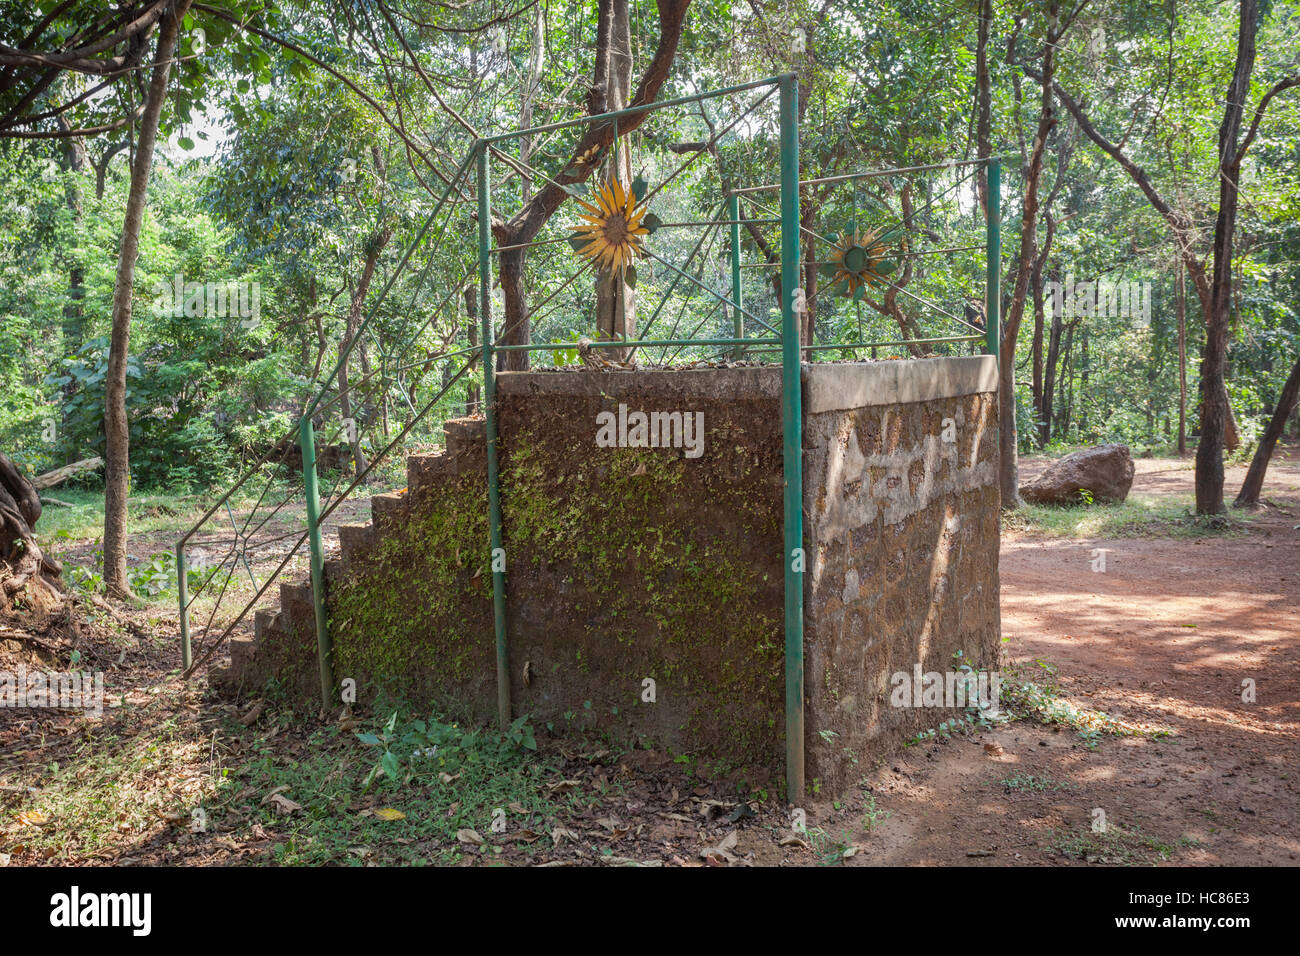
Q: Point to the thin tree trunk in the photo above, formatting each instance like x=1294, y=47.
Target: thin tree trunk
x=1250, y=488
x=1049, y=381
x=1209, y=452
x=1067, y=383
x=983, y=94
x=1009, y=470
x=1180, y=307
x=74, y=312
x=471, y=315
x=1036, y=282
x=353, y=432
x=531, y=86
x=809, y=330
x=1083, y=379
x=616, y=298
x=117, y=470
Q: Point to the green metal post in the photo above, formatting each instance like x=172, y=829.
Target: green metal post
x=733, y=213
x=993, y=253
x=183, y=596
x=792, y=421
x=497, y=555
x=324, y=649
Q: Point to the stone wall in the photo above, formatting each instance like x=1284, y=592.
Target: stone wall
x=644, y=571
x=631, y=564
x=901, y=512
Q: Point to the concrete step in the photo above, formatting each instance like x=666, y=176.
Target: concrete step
x=265, y=620
x=388, y=511
x=242, y=650
x=356, y=544
x=424, y=472
x=465, y=435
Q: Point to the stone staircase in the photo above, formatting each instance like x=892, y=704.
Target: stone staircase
x=282, y=645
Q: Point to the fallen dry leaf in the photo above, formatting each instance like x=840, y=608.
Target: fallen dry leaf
x=470, y=836
x=559, y=834
x=254, y=712
x=284, y=805
x=722, y=852
x=389, y=813
x=794, y=840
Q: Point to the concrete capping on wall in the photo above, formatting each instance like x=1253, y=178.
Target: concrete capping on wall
x=707, y=383
x=830, y=388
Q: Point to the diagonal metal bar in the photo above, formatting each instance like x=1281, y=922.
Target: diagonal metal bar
x=728, y=301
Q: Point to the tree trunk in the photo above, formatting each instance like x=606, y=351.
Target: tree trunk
x=1049, y=380
x=615, y=298
x=809, y=330
x=28, y=578
x=1250, y=488
x=524, y=226
x=1209, y=452
x=1083, y=381
x=529, y=96
x=117, y=471
x=74, y=313
x=471, y=314
x=1009, y=465
x=1036, y=281
x=1067, y=383
x=346, y=405
x=1180, y=307
x=983, y=95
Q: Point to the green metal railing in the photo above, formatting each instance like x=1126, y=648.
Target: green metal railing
x=784, y=340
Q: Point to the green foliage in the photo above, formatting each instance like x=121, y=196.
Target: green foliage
x=440, y=776
x=1031, y=691
x=276, y=171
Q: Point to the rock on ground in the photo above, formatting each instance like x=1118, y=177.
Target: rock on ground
x=1105, y=471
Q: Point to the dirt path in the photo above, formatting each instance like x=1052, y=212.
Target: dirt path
x=1165, y=636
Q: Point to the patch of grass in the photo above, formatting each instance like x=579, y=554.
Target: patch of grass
x=872, y=816
x=1030, y=691
x=153, y=513
x=401, y=792
x=1116, y=844
x=126, y=776
x=155, y=521
x=1029, y=783
x=1140, y=516
x=828, y=850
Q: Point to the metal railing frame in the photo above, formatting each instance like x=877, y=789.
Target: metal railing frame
x=787, y=341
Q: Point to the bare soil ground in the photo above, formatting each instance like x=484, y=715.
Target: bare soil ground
x=1162, y=640
x=1165, y=636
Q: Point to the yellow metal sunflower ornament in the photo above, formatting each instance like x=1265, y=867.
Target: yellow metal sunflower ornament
x=615, y=223
x=858, y=259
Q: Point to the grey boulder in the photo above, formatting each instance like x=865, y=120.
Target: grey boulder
x=1106, y=472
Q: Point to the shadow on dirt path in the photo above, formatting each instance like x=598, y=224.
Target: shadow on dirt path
x=1171, y=635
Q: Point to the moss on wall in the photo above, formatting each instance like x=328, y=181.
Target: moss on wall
x=416, y=614
x=636, y=563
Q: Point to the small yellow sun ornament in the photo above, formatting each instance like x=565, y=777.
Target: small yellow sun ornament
x=859, y=261
x=614, y=226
